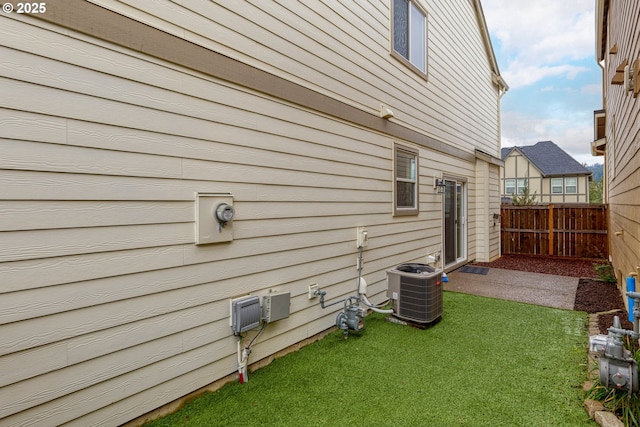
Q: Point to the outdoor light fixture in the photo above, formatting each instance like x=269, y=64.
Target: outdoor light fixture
x=439, y=185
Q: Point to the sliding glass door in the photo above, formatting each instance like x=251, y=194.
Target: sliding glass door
x=455, y=225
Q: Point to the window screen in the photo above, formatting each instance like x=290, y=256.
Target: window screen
x=410, y=33
x=406, y=181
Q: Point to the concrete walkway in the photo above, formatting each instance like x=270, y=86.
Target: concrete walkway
x=531, y=288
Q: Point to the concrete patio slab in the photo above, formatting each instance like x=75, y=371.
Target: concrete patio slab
x=531, y=288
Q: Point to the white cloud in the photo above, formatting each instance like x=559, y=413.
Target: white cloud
x=520, y=74
x=545, y=50
x=594, y=89
x=539, y=38
x=571, y=133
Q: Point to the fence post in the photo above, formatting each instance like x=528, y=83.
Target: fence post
x=550, y=229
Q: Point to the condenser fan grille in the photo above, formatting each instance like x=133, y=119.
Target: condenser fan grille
x=420, y=298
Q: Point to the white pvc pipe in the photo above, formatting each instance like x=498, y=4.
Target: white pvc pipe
x=242, y=364
x=362, y=288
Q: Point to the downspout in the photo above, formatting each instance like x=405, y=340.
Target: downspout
x=600, y=10
x=502, y=89
x=605, y=179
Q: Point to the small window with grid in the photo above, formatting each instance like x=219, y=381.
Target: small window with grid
x=405, y=180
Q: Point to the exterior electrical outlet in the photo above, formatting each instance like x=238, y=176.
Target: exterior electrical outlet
x=362, y=237
x=245, y=314
x=313, y=289
x=276, y=306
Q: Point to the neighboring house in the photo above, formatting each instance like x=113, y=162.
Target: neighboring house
x=616, y=129
x=547, y=170
x=125, y=124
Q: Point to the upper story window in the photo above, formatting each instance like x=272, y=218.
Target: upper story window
x=522, y=184
x=515, y=186
x=571, y=185
x=556, y=185
x=406, y=181
x=409, y=30
x=509, y=186
x=567, y=185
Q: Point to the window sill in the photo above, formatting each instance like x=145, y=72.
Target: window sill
x=409, y=65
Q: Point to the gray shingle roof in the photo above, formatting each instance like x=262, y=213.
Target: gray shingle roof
x=549, y=159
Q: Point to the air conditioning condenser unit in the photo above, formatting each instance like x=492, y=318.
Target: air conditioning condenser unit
x=415, y=291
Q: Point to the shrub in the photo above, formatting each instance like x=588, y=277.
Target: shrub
x=525, y=198
x=605, y=272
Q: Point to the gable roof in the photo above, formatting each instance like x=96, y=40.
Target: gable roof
x=504, y=152
x=550, y=159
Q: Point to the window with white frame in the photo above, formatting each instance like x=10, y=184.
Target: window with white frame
x=571, y=185
x=522, y=184
x=405, y=180
x=556, y=185
x=509, y=186
x=409, y=32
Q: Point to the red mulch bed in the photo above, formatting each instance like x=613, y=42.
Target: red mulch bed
x=546, y=264
x=592, y=295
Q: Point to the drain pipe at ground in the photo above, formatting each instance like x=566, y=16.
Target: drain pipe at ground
x=243, y=357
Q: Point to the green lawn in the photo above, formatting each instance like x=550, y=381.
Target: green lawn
x=487, y=363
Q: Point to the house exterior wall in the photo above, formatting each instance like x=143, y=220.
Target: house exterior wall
x=622, y=162
x=114, y=117
x=343, y=51
x=488, y=201
x=581, y=196
x=517, y=166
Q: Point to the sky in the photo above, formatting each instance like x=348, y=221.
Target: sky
x=546, y=53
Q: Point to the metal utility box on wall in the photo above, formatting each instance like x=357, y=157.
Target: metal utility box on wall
x=276, y=306
x=245, y=314
x=214, y=218
x=416, y=292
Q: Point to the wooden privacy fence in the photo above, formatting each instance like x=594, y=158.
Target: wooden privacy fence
x=571, y=230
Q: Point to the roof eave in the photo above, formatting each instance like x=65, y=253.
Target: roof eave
x=601, y=27
x=598, y=147
x=496, y=78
